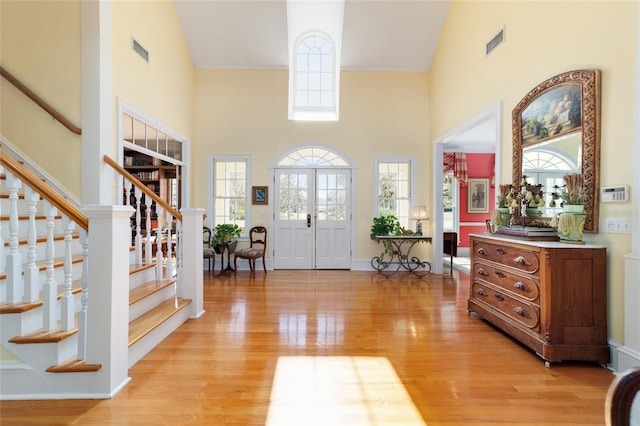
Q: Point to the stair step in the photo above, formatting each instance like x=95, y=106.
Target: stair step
x=42, y=336
x=18, y=308
x=144, y=324
x=148, y=288
x=74, y=365
x=137, y=267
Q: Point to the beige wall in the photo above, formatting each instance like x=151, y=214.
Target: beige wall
x=381, y=113
x=41, y=47
x=162, y=88
x=544, y=39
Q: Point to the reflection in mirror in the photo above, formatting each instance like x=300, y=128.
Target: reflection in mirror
x=556, y=131
x=546, y=163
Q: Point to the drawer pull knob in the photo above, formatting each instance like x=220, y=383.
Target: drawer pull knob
x=521, y=286
x=481, y=271
x=521, y=311
x=499, y=297
x=481, y=292
x=482, y=251
x=500, y=274
x=501, y=250
x=521, y=260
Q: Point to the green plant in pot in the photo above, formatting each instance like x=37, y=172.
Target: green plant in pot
x=384, y=225
x=224, y=233
x=573, y=193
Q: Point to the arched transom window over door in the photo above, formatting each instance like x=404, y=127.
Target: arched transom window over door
x=312, y=221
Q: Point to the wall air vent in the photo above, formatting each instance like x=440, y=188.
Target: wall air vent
x=137, y=47
x=494, y=42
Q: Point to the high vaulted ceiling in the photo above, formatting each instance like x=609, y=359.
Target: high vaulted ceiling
x=378, y=35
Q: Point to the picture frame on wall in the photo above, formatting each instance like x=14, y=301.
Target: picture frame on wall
x=478, y=195
x=259, y=194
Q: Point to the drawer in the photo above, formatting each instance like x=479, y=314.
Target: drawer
x=523, y=286
x=522, y=259
x=524, y=313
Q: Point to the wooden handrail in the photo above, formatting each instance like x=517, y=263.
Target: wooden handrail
x=159, y=201
x=40, y=102
x=29, y=178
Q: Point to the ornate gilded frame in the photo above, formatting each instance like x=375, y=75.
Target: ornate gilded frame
x=589, y=81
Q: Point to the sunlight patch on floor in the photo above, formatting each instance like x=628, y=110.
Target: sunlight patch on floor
x=339, y=391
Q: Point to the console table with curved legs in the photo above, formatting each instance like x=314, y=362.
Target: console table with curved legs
x=401, y=256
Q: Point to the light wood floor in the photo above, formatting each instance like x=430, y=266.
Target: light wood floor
x=365, y=349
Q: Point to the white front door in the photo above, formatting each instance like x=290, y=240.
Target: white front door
x=313, y=219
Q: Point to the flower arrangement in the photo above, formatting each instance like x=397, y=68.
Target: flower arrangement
x=503, y=196
x=530, y=195
x=533, y=196
x=573, y=193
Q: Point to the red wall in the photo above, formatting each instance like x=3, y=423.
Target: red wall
x=478, y=166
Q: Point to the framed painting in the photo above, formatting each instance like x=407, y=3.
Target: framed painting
x=554, y=113
x=259, y=195
x=478, y=195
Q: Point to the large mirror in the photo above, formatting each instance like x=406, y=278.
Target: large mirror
x=556, y=131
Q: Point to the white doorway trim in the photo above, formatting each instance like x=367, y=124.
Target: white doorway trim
x=480, y=133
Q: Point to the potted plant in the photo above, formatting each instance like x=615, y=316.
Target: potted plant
x=385, y=225
x=502, y=215
x=571, y=220
x=573, y=193
x=223, y=233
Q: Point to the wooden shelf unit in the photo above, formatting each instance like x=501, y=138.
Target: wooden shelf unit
x=157, y=175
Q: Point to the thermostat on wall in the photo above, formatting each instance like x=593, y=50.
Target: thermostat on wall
x=612, y=194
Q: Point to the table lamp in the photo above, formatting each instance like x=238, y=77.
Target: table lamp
x=419, y=213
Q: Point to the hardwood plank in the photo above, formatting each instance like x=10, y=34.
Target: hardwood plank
x=220, y=369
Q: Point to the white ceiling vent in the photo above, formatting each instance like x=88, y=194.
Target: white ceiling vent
x=137, y=47
x=494, y=42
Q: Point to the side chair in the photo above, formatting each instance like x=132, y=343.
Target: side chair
x=256, y=249
x=207, y=251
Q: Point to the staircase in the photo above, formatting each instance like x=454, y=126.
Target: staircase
x=78, y=304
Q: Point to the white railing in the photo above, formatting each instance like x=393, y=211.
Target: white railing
x=28, y=193
x=167, y=233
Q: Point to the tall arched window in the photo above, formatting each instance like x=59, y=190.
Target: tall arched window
x=314, y=80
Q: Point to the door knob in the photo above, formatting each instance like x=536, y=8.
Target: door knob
x=308, y=220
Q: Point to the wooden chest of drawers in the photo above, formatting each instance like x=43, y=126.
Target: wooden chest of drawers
x=550, y=296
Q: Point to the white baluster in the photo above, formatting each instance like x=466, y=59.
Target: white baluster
x=147, y=248
x=169, y=222
x=67, y=305
x=50, y=291
x=179, y=275
x=14, y=259
x=2, y=259
x=138, y=243
x=159, y=253
x=31, y=272
x=84, y=299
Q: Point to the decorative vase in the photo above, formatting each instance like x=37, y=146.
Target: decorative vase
x=501, y=217
x=533, y=212
x=573, y=208
x=570, y=227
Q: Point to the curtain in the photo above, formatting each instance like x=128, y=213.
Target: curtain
x=457, y=163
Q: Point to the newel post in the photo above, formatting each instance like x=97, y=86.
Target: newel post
x=108, y=295
x=191, y=272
